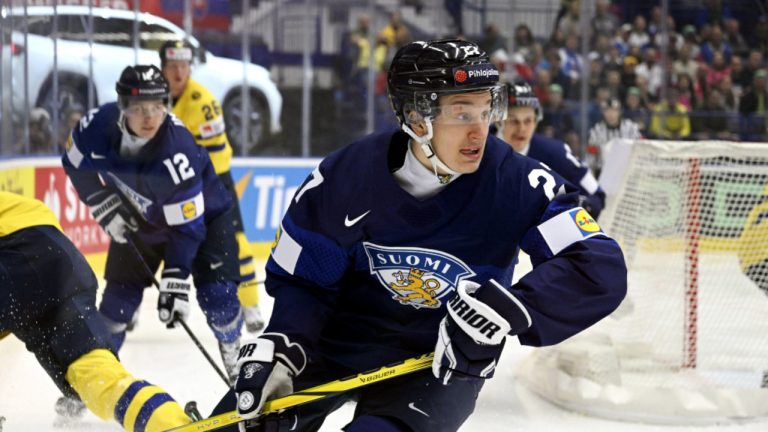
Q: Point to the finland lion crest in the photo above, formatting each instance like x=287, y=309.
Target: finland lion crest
x=416, y=276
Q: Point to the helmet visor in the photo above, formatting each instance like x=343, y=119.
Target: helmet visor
x=441, y=109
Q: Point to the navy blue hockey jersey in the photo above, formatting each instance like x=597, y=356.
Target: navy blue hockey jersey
x=557, y=155
x=170, y=183
x=361, y=270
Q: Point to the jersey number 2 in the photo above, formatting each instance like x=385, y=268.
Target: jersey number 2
x=179, y=168
x=535, y=177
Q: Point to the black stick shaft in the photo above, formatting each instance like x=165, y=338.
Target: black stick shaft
x=178, y=319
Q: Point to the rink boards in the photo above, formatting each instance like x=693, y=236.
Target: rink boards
x=264, y=186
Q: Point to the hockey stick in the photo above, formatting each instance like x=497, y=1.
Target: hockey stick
x=176, y=317
x=315, y=393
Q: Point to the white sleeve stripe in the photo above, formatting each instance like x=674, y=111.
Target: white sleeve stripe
x=74, y=155
x=589, y=183
x=287, y=251
x=561, y=231
x=185, y=211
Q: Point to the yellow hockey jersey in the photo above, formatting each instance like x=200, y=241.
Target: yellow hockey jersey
x=753, y=243
x=202, y=115
x=18, y=212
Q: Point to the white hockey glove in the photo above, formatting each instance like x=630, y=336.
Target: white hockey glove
x=267, y=366
x=472, y=334
x=110, y=212
x=174, y=298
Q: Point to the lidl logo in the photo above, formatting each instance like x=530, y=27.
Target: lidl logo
x=189, y=210
x=585, y=222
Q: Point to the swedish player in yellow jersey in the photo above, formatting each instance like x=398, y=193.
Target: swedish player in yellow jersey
x=47, y=300
x=753, y=244
x=201, y=113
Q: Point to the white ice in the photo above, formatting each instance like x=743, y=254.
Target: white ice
x=169, y=359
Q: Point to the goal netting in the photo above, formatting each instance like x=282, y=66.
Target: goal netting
x=690, y=342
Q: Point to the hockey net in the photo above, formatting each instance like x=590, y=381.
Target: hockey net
x=689, y=345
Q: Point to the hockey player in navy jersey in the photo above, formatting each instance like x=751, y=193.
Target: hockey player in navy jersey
x=153, y=189
x=518, y=130
x=398, y=244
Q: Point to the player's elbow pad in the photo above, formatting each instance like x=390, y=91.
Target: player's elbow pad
x=488, y=312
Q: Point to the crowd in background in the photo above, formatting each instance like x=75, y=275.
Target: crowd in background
x=709, y=83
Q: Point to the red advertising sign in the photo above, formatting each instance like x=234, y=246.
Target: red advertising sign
x=53, y=187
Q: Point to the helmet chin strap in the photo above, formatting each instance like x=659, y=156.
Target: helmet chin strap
x=425, y=143
x=129, y=143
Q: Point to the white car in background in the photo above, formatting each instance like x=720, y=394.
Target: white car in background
x=112, y=50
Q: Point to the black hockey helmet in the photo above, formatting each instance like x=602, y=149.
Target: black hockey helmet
x=176, y=50
x=421, y=72
x=141, y=82
x=521, y=94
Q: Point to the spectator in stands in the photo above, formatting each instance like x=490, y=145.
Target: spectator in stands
x=541, y=86
x=737, y=68
x=691, y=37
x=639, y=37
x=753, y=107
x=604, y=22
x=628, y=75
x=717, y=70
x=570, y=59
x=654, y=22
x=730, y=94
x=670, y=118
x=596, y=79
x=556, y=75
x=716, y=43
x=754, y=63
x=602, y=49
x=557, y=121
x=621, y=40
x=523, y=37
x=613, y=83
x=634, y=109
x=688, y=95
x=714, y=11
x=651, y=70
x=676, y=40
x=734, y=37
x=612, y=126
x=685, y=64
x=595, y=113
x=493, y=41
x=647, y=99
x=712, y=121
x=395, y=34
x=759, y=35
x=569, y=24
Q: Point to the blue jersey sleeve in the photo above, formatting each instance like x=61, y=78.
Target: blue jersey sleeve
x=564, y=293
x=305, y=267
x=557, y=155
x=78, y=155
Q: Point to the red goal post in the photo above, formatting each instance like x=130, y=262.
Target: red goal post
x=689, y=343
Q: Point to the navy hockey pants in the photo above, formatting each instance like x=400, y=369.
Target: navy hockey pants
x=215, y=271
x=48, y=299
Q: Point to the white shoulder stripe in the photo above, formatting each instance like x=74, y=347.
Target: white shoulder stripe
x=73, y=154
x=286, y=253
x=185, y=211
x=589, y=183
x=563, y=230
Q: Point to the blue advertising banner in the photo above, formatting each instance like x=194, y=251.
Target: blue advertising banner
x=265, y=187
